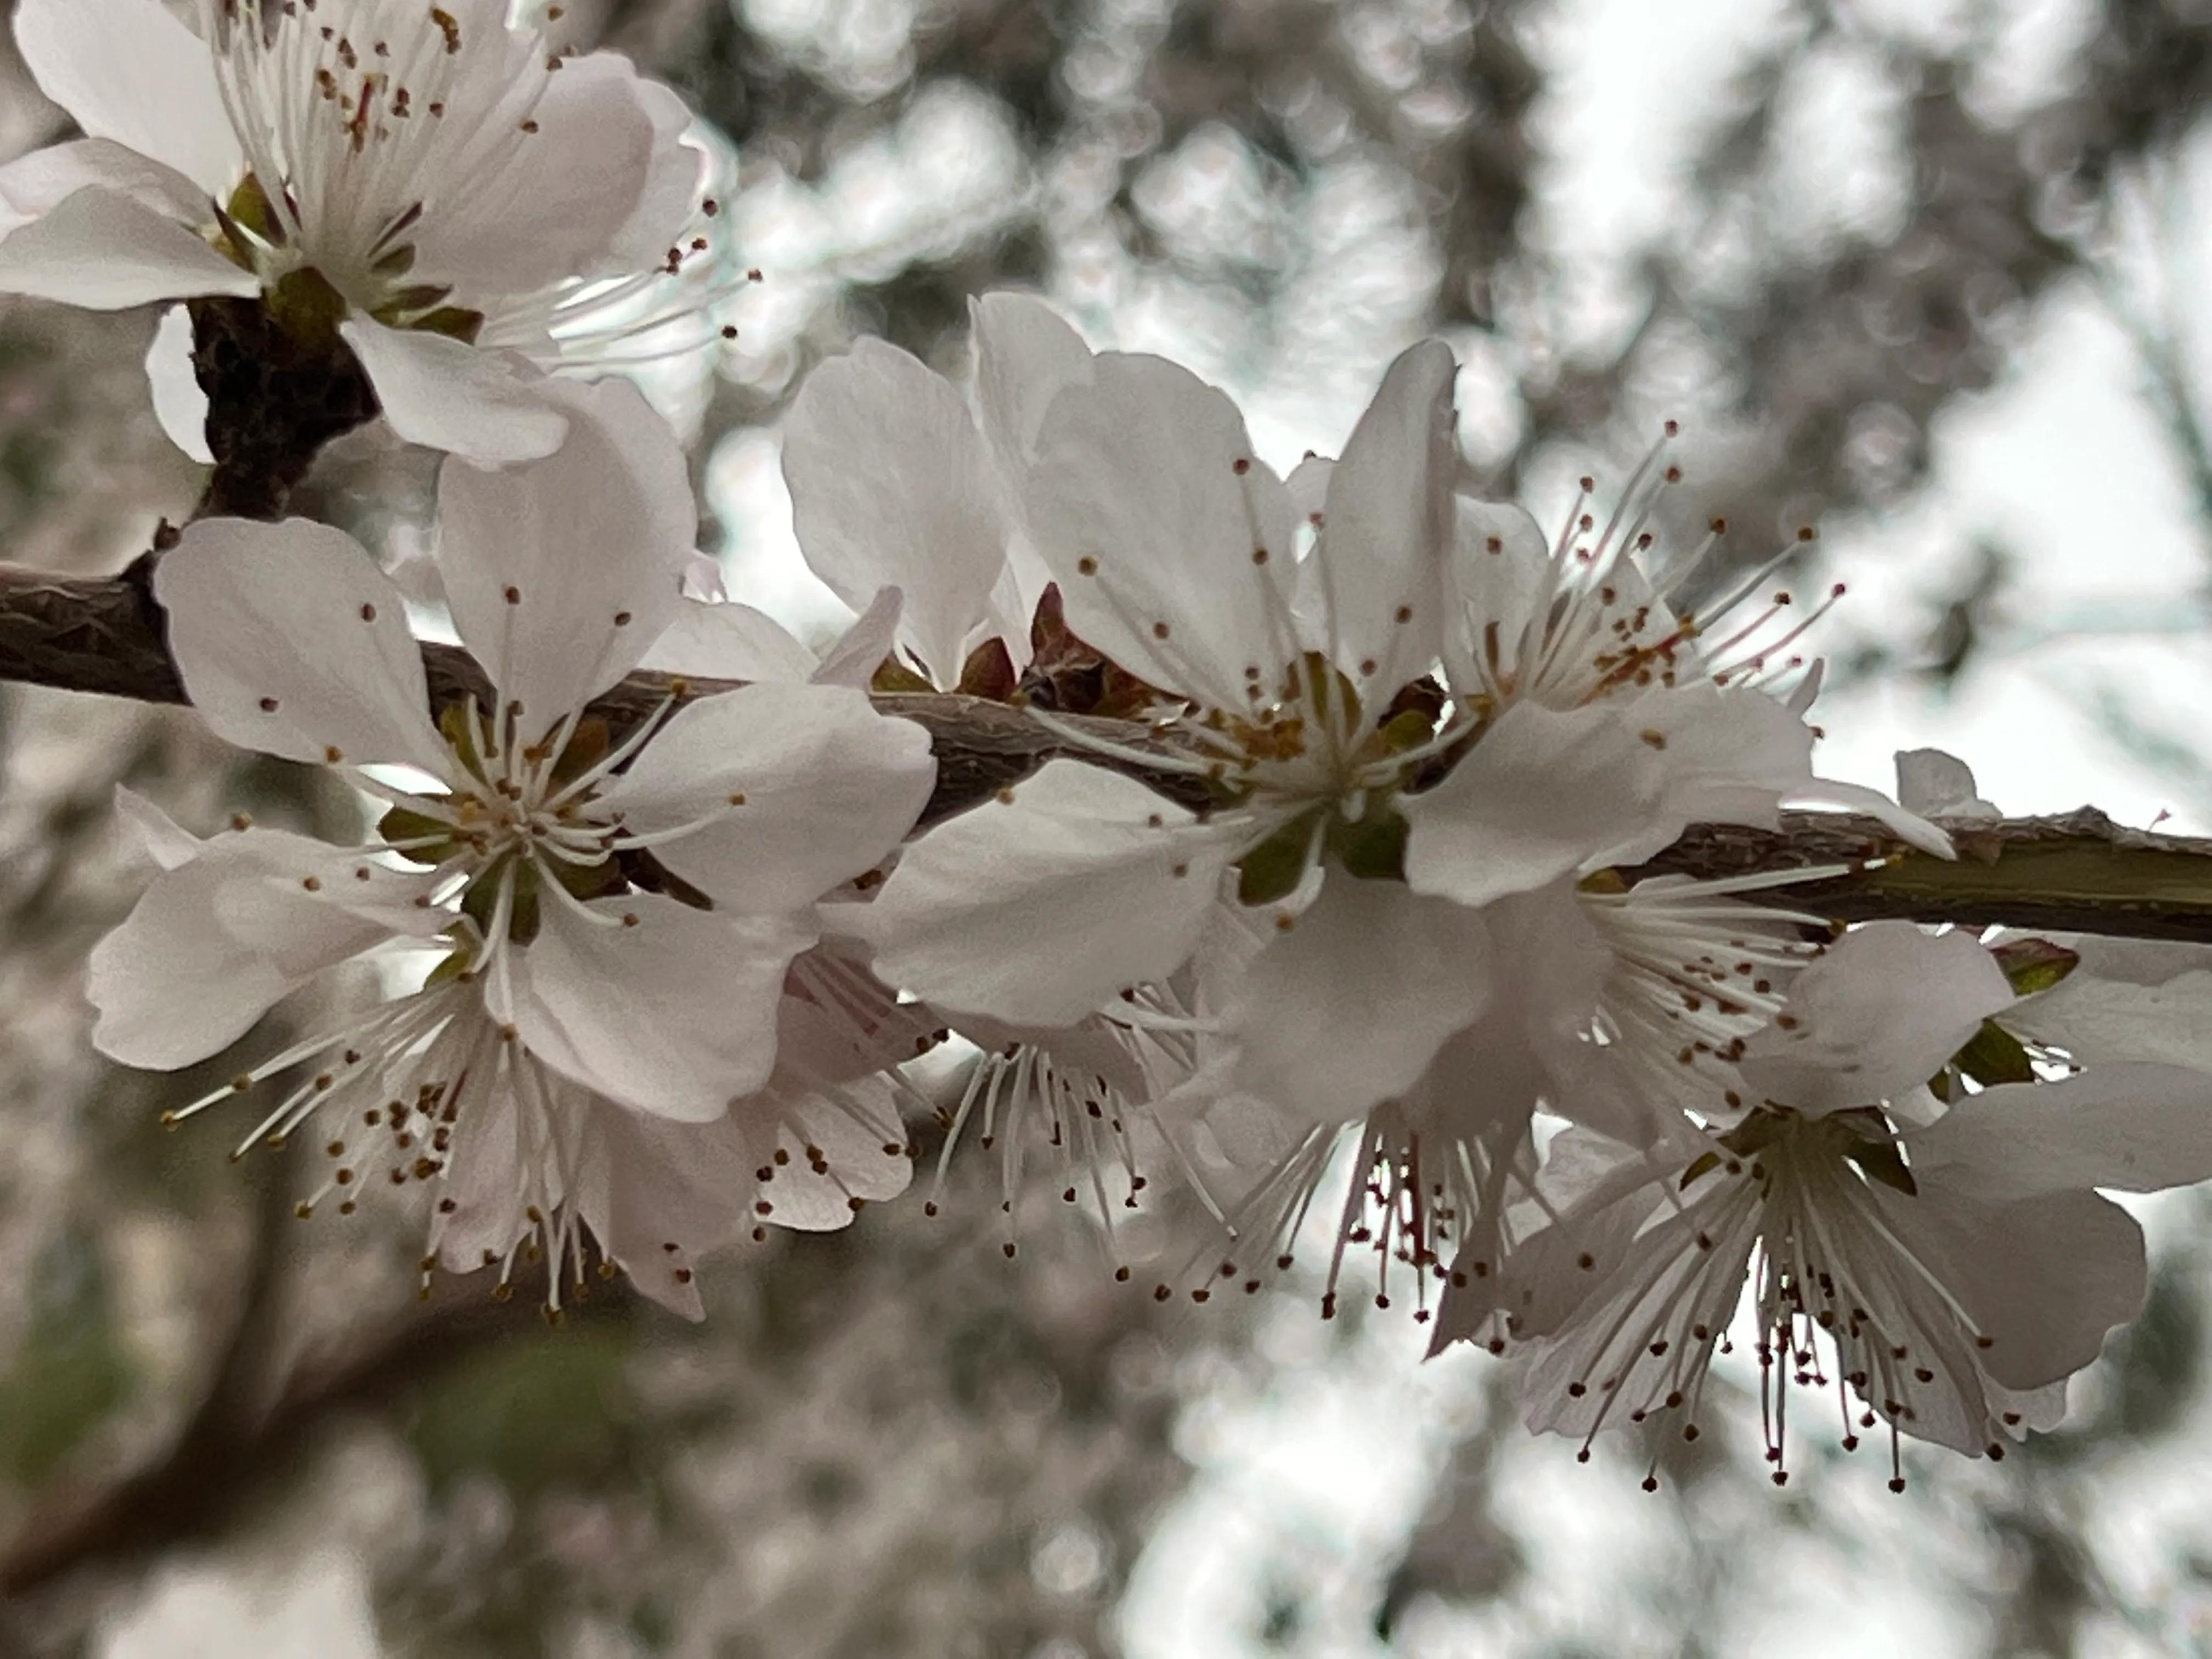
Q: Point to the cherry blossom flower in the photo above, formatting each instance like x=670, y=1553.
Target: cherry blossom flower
x=1620, y=1000
x=1609, y=721
x=1945, y=1267
x=455, y=199
x=1175, y=552
x=895, y=483
x=630, y=919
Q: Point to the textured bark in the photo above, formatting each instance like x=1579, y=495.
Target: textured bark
x=2080, y=873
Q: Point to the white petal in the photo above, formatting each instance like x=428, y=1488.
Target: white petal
x=644, y=1184
x=1350, y=1006
x=218, y=939
x=128, y=70
x=2127, y=1000
x=555, y=206
x=1388, y=525
x=290, y=641
x=2044, y=1278
x=848, y=1136
x=1042, y=909
x=1829, y=795
x=828, y=786
x=1025, y=355
x=1499, y=565
x=486, y=406
x=178, y=403
x=862, y=649
x=1935, y=785
x=1881, y=1013
x=2135, y=1126
x=675, y=1016
x=153, y=831
x=891, y=486
x=104, y=251
x=561, y=573
x=1539, y=794
x=1137, y=505
x=728, y=641
x=41, y=181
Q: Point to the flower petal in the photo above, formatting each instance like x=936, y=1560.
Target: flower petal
x=832, y=1151
x=219, y=938
x=178, y=403
x=2136, y=1127
x=1025, y=355
x=1040, y=909
x=1388, y=525
x=486, y=406
x=290, y=641
x=725, y=641
x=862, y=649
x=561, y=573
x=1540, y=793
x=891, y=485
x=1499, y=564
x=675, y=1016
x=105, y=251
x=807, y=785
x=1173, y=547
x=1935, y=785
x=1880, y=1013
x=1350, y=1006
x=131, y=72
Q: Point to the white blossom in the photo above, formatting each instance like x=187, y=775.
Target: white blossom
x=611, y=922
x=1945, y=1266
x=456, y=199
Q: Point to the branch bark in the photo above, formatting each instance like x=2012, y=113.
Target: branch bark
x=2079, y=873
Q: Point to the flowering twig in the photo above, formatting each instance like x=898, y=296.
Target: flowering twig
x=2079, y=873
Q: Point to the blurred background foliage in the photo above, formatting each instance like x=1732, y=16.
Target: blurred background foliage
x=1821, y=235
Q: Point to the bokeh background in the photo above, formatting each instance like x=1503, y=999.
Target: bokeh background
x=1930, y=275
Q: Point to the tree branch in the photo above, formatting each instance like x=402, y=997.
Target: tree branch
x=2079, y=873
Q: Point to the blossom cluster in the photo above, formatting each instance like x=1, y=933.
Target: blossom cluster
x=1331, y=893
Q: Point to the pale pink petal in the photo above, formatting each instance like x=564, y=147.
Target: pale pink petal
x=561, y=573
x=1040, y=910
x=128, y=70
x=675, y=1015
x=178, y=403
x=1883, y=1011
x=1351, y=1006
x=807, y=786
x=1172, y=546
x=1542, y=793
x=291, y=641
x=891, y=485
x=105, y=252
x=487, y=406
x=2135, y=1126
x=1388, y=527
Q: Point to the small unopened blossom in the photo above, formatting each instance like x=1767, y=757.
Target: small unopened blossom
x=632, y=915
x=447, y=196
x=1939, y=1268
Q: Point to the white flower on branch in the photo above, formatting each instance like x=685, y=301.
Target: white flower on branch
x=629, y=919
x=1941, y=1268
x=894, y=482
x=458, y=200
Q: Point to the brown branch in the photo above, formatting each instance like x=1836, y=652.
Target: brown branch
x=2076, y=873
